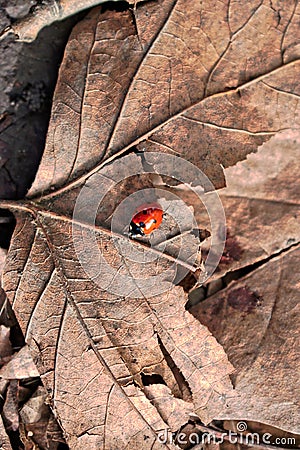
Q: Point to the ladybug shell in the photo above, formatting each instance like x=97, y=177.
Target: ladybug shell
x=146, y=220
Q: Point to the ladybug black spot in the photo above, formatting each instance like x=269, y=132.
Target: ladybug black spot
x=135, y=230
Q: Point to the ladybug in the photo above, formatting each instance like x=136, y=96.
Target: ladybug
x=146, y=220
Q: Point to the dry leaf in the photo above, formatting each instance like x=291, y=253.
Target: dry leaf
x=2, y=260
x=108, y=329
x=261, y=203
x=257, y=322
x=21, y=366
x=4, y=440
x=119, y=339
x=35, y=415
x=272, y=433
x=5, y=345
x=42, y=15
x=10, y=414
x=116, y=91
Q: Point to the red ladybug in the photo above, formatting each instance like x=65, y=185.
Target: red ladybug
x=147, y=219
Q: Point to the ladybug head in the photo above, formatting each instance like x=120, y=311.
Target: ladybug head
x=136, y=229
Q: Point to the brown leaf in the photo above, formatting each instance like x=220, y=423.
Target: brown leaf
x=35, y=415
x=42, y=15
x=5, y=345
x=21, y=366
x=2, y=259
x=4, y=440
x=174, y=410
x=261, y=203
x=136, y=91
x=120, y=339
x=6, y=313
x=116, y=91
x=249, y=318
x=10, y=413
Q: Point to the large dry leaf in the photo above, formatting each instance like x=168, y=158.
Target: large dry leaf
x=2, y=259
x=118, y=89
x=178, y=79
x=256, y=319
